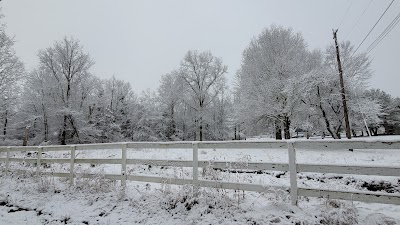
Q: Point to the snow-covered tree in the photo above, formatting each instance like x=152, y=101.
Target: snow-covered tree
x=390, y=116
x=69, y=66
x=219, y=120
x=11, y=72
x=39, y=104
x=8, y=109
x=11, y=68
x=148, y=118
x=268, y=78
x=110, y=109
x=170, y=93
x=203, y=75
x=320, y=90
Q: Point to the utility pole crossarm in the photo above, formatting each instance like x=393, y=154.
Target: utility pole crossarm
x=342, y=90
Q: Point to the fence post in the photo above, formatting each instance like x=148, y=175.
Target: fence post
x=195, y=146
x=72, y=166
x=123, y=166
x=8, y=160
x=293, y=172
x=39, y=157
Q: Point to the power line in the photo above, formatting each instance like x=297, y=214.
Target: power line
x=373, y=27
x=345, y=14
x=358, y=20
x=384, y=33
x=378, y=40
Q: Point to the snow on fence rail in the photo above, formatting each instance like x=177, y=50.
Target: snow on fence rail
x=291, y=166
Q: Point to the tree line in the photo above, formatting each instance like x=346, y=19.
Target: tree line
x=281, y=87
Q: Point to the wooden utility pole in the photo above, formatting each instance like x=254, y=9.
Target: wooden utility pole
x=346, y=114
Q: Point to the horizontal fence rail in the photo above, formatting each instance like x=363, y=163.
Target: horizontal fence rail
x=292, y=167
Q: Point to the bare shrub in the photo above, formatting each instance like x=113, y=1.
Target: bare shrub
x=45, y=184
x=23, y=174
x=337, y=212
x=94, y=184
x=210, y=173
x=184, y=198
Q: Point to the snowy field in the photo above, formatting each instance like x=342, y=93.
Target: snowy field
x=27, y=199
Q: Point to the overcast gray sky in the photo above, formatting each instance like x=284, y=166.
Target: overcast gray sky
x=138, y=41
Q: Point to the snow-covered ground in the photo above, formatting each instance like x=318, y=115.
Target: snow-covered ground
x=26, y=199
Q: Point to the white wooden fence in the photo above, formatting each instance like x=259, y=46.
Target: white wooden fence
x=291, y=166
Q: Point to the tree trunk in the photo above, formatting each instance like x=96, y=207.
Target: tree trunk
x=172, y=125
x=46, y=129
x=5, y=125
x=286, y=128
x=25, y=141
x=278, y=130
x=71, y=120
x=183, y=131
x=238, y=133
x=201, y=104
x=354, y=132
x=327, y=124
x=337, y=135
x=196, y=131
x=201, y=129
x=64, y=132
x=375, y=131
